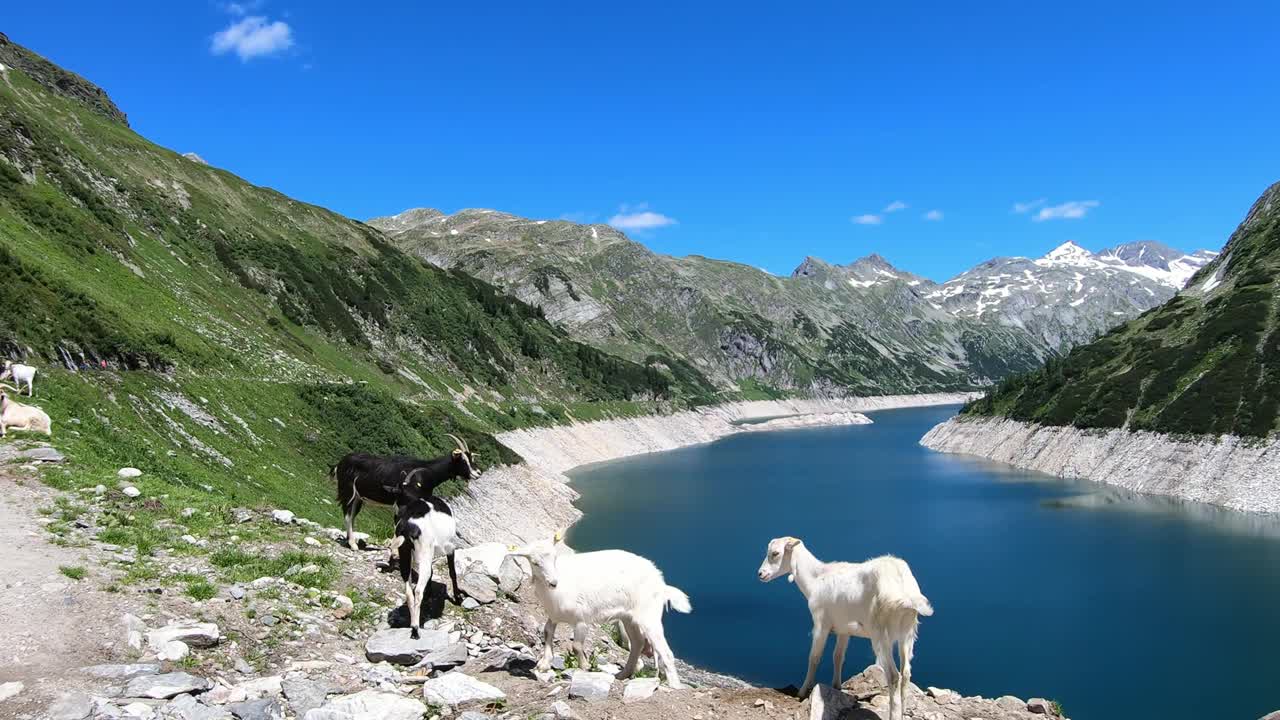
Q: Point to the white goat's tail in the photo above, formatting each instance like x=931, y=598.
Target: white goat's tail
x=677, y=600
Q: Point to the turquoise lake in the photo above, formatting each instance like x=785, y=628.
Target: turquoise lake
x=1116, y=605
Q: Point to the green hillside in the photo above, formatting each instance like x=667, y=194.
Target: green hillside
x=1206, y=362
x=250, y=339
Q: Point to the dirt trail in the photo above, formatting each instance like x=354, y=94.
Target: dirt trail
x=50, y=625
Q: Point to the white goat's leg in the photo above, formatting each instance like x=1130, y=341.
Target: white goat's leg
x=906, y=649
x=842, y=642
x=662, y=651
x=580, y=645
x=424, y=557
x=884, y=655
x=820, y=632
x=413, y=604
x=636, y=641
x=548, y=638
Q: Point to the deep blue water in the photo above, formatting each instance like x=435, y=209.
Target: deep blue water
x=1129, y=608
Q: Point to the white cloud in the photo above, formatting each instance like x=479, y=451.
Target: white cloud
x=867, y=219
x=894, y=206
x=933, y=215
x=639, y=217
x=1026, y=207
x=1073, y=210
x=251, y=37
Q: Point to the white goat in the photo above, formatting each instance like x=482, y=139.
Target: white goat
x=585, y=589
x=21, y=417
x=20, y=374
x=877, y=599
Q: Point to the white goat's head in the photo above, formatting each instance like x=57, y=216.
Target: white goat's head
x=542, y=558
x=777, y=559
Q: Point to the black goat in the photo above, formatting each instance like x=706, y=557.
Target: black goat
x=395, y=479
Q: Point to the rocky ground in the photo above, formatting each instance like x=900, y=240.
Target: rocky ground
x=257, y=614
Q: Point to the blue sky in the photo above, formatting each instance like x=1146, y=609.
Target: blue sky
x=746, y=131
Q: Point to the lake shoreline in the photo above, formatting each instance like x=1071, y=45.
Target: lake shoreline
x=1228, y=472
x=520, y=503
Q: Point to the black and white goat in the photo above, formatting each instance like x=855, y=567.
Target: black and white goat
x=425, y=528
x=381, y=479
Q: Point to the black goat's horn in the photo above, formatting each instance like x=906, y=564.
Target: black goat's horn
x=461, y=445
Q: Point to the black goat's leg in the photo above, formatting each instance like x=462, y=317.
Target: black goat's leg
x=453, y=575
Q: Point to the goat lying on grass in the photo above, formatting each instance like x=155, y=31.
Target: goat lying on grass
x=426, y=528
x=15, y=415
x=585, y=589
x=377, y=478
x=877, y=599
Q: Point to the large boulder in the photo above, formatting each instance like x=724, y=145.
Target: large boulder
x=194, y=634
x=162, y=687
x=510, y=575
x=456, y=689
x=478, y=585
x=590, y=686
x=394, y=645
x=488, y=555
x=369, y=705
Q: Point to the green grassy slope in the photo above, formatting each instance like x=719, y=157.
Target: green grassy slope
x=1207, y=362
x=251, y=339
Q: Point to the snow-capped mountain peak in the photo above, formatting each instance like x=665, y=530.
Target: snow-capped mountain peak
x=1068, y=253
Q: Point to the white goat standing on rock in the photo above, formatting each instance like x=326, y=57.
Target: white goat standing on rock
x=21, y=417
x=20, y=374
x=585, y=589
x=877, y=599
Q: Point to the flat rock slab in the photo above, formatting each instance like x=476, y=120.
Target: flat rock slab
x=451, y=656
x=394, y=645
x=71, y=706
x=306, y=695
x=456, y=689
x=590, y=686
x=43, y=454
x=10, y=689
x=122, y=671
x=192, y=633
x=639, y=689
x=161, y=687
x=185, y=707
x=369, y=705
x=264, y=709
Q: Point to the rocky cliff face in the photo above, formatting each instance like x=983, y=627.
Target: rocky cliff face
x=59, y=81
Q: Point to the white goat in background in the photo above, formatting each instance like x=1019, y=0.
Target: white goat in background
x=21, y=417
x=20, y=374
x=585, y=589
x=877, y=599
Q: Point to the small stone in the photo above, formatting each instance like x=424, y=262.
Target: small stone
x=99, y=489
x=1010, y=702
x=562, y=710
x=473, y=715
x=395, y=646
x=241, y=515
x=185, y=707
x=642, y=689
x=173, y=651
x=268, y=620
x=342, y=607
x=456, y=689
x=1040, y=706
x=469, y=603
x=9, y=689
x=164, y=686
x=128, y=472
x=311, y=541
x=590, y=686
x=236, y=592
x=243, y=667
x=131, y=491
x=943, y=696
x=284, y=517
x=188, y=512
x=192, y=633
x=133, y=630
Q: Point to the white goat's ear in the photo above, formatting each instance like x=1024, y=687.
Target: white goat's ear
x=558, y=537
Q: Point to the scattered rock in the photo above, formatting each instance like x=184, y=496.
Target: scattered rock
x=828, y=703
x=369, y=705
x=562, y=710
x=262, y=709
x=1040, y=706
x=133, y=631
x=131, y=491
x=9, y=689
x=395, y=646
x=284, y=517
x=192, y=633
x=476, y=584
x=447, y=657
x=70, y=706
x=173, y=651
x=268, y=620
x=185, y=707
x=128, y=472
x=43, y=454
x=243, y=667
x=236, y=592
x=640, y=689
x=342, y=607
x=590, y=686
x=473, y=715
x=510, y=575
x=121, y=672
x=165, y=686
x=943, y=696
x=1010, y=702
x=241, y=515
x=456, y=689
x=138, y=710
x=469, y=603
x=304, y=695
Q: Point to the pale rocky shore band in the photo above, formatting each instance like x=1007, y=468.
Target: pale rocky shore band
x=1229, y=472
x=520, y=503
